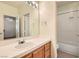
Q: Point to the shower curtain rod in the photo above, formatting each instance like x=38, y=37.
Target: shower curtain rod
x=67, y=12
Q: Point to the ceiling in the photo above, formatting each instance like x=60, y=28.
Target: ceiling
x=21, y=3
x=60, y=3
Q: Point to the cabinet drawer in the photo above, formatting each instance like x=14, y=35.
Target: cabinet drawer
x=47, y=54
x=47, y=46
x=28, y=56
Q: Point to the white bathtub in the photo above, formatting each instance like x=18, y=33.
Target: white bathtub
x=71, y=49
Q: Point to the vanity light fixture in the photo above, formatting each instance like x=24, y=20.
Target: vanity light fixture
x=34, y=4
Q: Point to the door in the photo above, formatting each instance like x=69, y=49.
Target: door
x=9, y=27
x=26, y=25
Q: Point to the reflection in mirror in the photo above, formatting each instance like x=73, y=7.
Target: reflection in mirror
x=26, y=25
x=29, y=19
x=11, y=27
x=19, y=19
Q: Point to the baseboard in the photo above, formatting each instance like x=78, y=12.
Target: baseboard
x=71, y=49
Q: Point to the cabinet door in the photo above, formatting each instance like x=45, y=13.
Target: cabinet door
x=39, y=53
x=48, y=50
x=27, y=56
x=47, y=54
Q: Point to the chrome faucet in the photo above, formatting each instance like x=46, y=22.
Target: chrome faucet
x=21, y=41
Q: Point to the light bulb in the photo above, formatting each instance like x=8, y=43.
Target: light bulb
x=36, y=5
x=33, y=2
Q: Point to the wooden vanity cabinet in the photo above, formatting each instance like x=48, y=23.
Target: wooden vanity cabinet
x=39, y=53
x=42, y=52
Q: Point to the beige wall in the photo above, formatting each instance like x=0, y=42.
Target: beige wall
x=6, y=9
x=48, y=22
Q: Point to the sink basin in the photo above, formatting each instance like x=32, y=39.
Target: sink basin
x=24, y=45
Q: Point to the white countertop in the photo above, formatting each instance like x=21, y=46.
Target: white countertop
x=13, y=51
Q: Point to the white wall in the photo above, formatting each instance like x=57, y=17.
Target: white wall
x=48, y=22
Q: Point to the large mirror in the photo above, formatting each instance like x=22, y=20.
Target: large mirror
x=18, y=19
